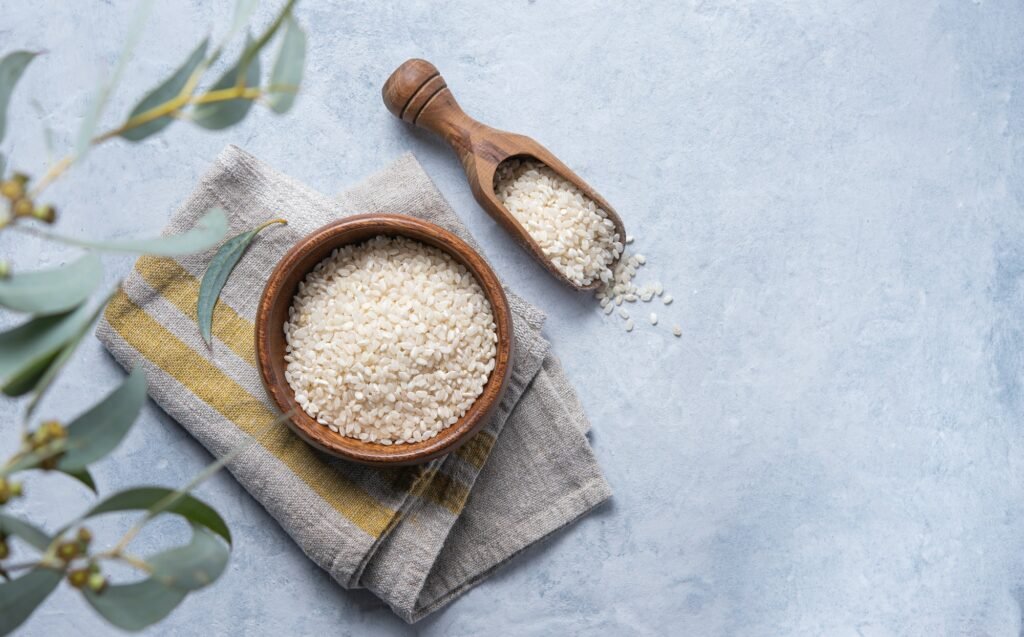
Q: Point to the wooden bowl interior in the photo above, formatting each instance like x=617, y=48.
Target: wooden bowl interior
x=273, y=312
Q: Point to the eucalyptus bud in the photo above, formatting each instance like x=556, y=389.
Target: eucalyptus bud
x=68, y=550
x=12, y=189
x=46, y=214
x=48, y=432
x=84, y=535
x=5, y=491
x=5, y=550
x=97, y=583
x=22, y=207
x=78, y=577
x=5, y=269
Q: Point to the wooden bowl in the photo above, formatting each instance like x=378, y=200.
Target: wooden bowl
x=270, y=342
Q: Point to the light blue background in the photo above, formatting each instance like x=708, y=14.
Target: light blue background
x=832, y=192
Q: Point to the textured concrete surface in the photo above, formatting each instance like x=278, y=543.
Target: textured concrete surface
x=831, y=191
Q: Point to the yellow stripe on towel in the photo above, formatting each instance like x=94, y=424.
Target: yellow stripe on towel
x=477, y=449
x=174, y=282
x=219, y=391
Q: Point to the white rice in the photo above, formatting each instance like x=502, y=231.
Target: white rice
x=570, y=228
x=389, y=341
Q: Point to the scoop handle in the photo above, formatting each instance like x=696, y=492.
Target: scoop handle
x=417, y=93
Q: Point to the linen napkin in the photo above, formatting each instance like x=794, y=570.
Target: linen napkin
x=417, y=537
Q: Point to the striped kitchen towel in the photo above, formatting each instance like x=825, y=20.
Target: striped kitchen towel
x=415, y=536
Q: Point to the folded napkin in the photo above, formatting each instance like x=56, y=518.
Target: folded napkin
x=417, y=537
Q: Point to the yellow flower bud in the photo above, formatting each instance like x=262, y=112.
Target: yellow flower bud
x=78, y=577
x=67, y=550
x=46, y=214
x=12, y=189
x=97, y=583
x=22, y=207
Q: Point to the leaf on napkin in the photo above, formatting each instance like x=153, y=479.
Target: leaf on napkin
x=217, y=274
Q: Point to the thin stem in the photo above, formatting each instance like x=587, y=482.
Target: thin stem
x=170, y=499
x=120, y=556
x=170, y=108
x=268, y=33
x=173, y=106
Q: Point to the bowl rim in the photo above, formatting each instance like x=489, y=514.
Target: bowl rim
x=277, y=297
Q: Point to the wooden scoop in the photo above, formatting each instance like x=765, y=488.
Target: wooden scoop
x=416, y=93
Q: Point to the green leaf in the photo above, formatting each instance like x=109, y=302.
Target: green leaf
x=11, y=69
x=176, y=572
x=47, y=131
x=34, y=536
x=135, y=606
x=164, y=93
x=218, y=115
x=217, y=274
x=98, y=431
x=208, y=232
x=27, y=350
x=19, y=597
x=154, y=498
x=286, y=76
x=52, y=291
x=83, y=476
x=92, y=117
x=193, y=566
x=243, y=10
x=61, y=359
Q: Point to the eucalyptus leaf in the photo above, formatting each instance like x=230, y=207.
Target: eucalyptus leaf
x=47, y=131
x=154, y=498
x=26, y=351
x=32, y=459
x=34, y=536
x=217, y=274
x=92, y=117
x=83, y=476
x=61, y=359
x=19, y=597
x=286, y=75
x=11, y=68
x=218, y=115
x=135, y=606
x=253, y=48
x=98, y=431
x=243, y=11
x=208, y=232
x=167, y=91
x=193, y=566
x=52, y=291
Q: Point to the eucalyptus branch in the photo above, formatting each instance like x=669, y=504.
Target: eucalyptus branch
x=120, y=556
x=170, y=108
x=261, y=41
x=172, y=498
